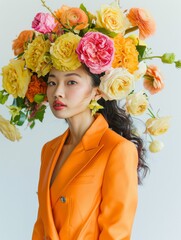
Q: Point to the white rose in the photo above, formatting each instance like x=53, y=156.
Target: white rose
x=136, y=103
x=156, y=146
x=117, y=83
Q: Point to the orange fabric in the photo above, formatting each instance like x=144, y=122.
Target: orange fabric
x=94, y=196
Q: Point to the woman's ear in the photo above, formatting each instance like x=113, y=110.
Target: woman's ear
x=98, y=94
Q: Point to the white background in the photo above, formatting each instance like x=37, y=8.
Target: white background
x=159, y=212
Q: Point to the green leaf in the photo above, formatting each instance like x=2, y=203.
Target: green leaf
x=40, y=113
x=141, y=50
x=20, y=119
x=83, y=8
x=3, y=96
x=19, y=102
x=32, y=124
x=39, y=98
x=106, y=32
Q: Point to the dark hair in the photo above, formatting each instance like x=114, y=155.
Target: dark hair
x=122, y=123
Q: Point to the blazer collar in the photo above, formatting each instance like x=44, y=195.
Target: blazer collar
x=97, y=129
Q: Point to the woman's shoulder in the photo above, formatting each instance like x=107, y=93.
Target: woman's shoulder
x=113, y=138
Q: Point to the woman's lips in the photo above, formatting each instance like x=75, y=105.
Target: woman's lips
x=57, y=105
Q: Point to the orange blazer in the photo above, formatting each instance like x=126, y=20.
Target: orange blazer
x=94, y=196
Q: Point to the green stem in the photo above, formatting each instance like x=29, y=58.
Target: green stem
x=132, y=29
x=151, y=113
x=151, y=57
x=49, y=9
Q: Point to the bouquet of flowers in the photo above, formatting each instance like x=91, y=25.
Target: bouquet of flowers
x=112, y=41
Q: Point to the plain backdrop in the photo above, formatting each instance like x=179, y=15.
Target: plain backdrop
x=158, y=215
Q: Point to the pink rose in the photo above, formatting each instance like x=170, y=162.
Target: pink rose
x=96, y=51
x=43, y=23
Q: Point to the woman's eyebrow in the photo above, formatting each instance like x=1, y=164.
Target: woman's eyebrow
x=72, y=74
x=51, y=75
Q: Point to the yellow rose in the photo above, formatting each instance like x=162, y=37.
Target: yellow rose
x=9, y=130
x=136, y=103
x=63, y=54
x=156, y=146
x=117, y=83
x=37, y=56
x=157, y=126
x=112, y=18
x=16, y=78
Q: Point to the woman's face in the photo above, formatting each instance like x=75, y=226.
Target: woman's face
x=69, y=93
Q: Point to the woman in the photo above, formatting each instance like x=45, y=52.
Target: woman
x=89, y=175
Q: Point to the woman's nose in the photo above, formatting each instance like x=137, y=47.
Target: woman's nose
x=59, y=92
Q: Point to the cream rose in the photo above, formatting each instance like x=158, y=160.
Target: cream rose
x=136, y=103
x=16, y=78
x=117, y=83
x=63, y=52
x=9, y=130
x=37, y=56
x=112, y=18
x=156, y=146
x=157, y=126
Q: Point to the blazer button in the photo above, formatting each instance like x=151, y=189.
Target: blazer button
x=63, y=199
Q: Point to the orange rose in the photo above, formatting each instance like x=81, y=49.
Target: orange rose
x=19, y=42
x=143, y=20
x=74, y=17
x=36, y=86
x=153, y=79
x=126, y=55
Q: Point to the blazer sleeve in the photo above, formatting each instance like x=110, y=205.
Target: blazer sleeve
x=38, y=230
x=119, y=193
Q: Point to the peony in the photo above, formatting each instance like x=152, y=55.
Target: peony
x=96, y=51
x=9, y=130
x=112, y=18
x=153, y=80
x=142, y=67
x=143, y=20
x=19, y=44
x=63, y=52
x=136, y=103
x=37, y=57
x=156, y=146
x=157, y=126
x=43, y=23
x=116, y=84
x=126, y=55
x=74, y=18
x=16, y=78
x=36, y=86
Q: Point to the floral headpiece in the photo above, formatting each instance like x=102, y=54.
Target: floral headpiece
x=71, y=36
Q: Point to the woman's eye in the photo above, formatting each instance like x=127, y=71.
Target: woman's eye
x=71, y=82
x=50, y=83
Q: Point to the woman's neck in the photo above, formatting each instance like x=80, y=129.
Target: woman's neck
x=78, y=126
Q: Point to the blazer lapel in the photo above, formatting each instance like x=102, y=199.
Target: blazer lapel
x=81, y=156
x=74, y=165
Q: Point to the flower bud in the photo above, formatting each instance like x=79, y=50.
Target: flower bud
x=156, y=146
x=168, y=58
x=178, y=64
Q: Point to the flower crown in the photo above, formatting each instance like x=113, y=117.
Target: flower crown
x=71, y=36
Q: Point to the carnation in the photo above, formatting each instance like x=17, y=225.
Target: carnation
x=96, y=51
